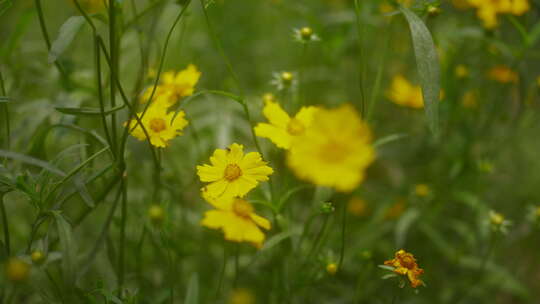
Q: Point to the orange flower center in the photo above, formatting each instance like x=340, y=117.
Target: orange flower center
x=295, y=127
x=242, y=208
x=232, y=172
x=158, y=124
x=333, y=152
x=407, y=261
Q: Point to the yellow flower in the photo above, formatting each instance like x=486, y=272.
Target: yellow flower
x=461, y=71
x=17, y=270
x=470, y=100
x=159, y=124
x=496, y=218
x=242, y=296
x=156, y=214
x=404, y=263
x=174, y=86
x=487, y=10
x=282, y=128
x=232, y=173
x=357, y=206
x=236, y=217
x=37, y=257
x=403, y=93
x=422, y=190
x=503, y=74
x=331, y=268
x=335, y=151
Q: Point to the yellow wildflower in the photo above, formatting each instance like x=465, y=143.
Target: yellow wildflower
x=404, y=263
x=461, y=71
x=232, y=173
x=357, y=206
x=236, y=217
x=159, y=124
x=242, y=296
x=422, y=190
x=37, y=257
x=282, y=128
x=403, y=93
x=470, y=100
x=17, y=270
x=174, y=86
x=488, y=10
x=503, y=74
x=156, y=214
x=335, y=151
x=331, y=268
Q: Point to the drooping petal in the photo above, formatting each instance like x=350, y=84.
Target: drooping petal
x=261, y=221
x=278, y=136
x=275, y=114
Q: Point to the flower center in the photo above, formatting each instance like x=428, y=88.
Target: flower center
x=232, y=172
x=242, y=208
x=408, y=262
x=158, y=124
x=295, y=127
x=333, y=152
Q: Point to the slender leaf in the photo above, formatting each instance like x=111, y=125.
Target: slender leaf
x=67, y=33
x=192, y=295
x=87, y=111
x=67, y=243
x=31, y=161
x=428, y=67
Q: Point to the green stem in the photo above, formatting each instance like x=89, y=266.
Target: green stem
x=343, y=236
x=6, y=112
x=361, y=68
x=123, y=221
x=100, y=93
x=5, y=225
x=222, y=272
x=113, y=67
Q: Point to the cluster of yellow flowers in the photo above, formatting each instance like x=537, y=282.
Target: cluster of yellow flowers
x=159, y=124
x=488, y=10
x=231, y=175
x=333, y=152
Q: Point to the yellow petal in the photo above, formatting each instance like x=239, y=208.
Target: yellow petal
x=261, y=221
x=275, y=114
x=235, y=153
x=305, y=115
x=217, y=188
x=209, y=173
x=280, y=137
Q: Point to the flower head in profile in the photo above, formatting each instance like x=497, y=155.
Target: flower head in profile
x=231, y=173
x=236, y=217
x=173, y=86
x=503, y=74
x=405, y=264
x=161, y=126
x=405, y=94
x=335, y=151
x=282, y=128
x=498, y=222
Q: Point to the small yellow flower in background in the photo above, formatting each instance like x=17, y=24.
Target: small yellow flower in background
x=403, y=93
x=232, y=173
x=422, y=190
x=404, y=263
x=335, y=151
x=461, y=71
x=470, y=100
x=503, y=74
x=17, y=270
x=37, y=257
x=174, y=86
x=396, y=210
x=488, y=10
x=159, y=124
x=236, y=217
x=156, y=214
x=331, y=268
x=241, y=296
x=357, y=206
x=282, y=128
x=498, y=222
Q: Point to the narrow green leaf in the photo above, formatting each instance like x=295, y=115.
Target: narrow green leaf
x=192, y=295
x=67, y=243
x=67, y=33
x=428, y=67
x=388, y=139
x=31, y=161
x=87, y=111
